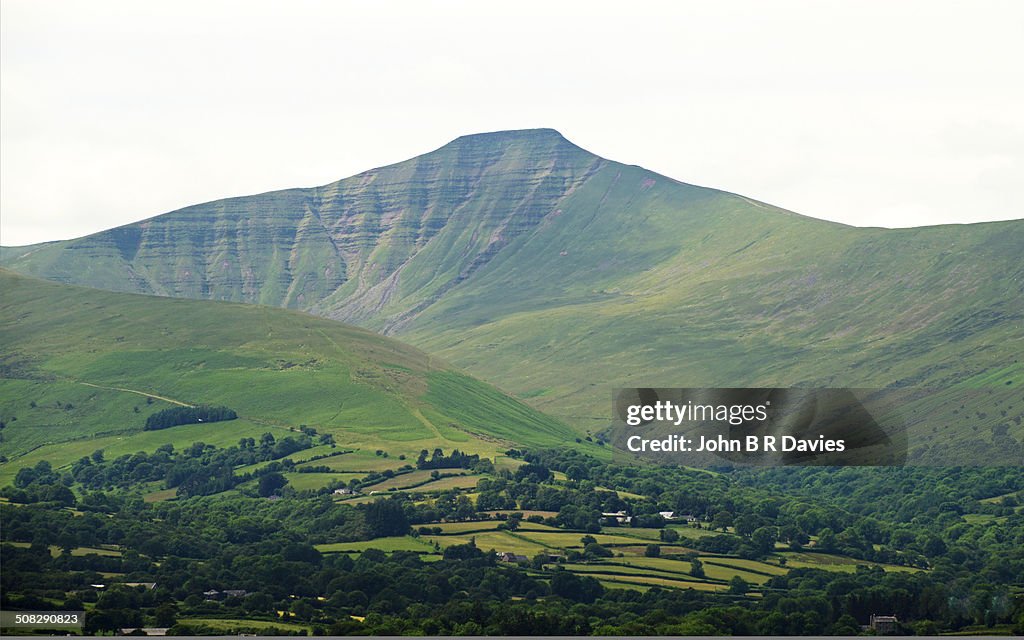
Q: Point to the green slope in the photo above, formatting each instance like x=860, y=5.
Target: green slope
x=81, y=369
x=560, y=275
x=374, y=247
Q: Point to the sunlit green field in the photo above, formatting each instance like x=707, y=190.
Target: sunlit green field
x=237, y=626
x=86, y=368
x=398, y=543
x=830, y=562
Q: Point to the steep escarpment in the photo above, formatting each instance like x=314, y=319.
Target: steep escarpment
x=371, y=248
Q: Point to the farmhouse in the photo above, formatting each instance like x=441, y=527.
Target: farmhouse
x=618, y=516
x=884, y=625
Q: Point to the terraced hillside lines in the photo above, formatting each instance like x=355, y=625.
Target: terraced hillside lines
x=278, y=369
x=388, y=241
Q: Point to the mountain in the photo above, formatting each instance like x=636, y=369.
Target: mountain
x=559, y=275
x=82, y=370
x=375, y=248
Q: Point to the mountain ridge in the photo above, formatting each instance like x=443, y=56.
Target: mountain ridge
x=558, y=274
x=301, y=217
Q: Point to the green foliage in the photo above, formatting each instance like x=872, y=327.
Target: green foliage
x=175, y=416
x=578, y=588
x=456, y=460
x=271, y=483
x=696, y=568
x=738, y=586
x=386, y=517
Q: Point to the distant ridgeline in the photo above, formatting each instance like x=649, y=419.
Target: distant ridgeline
x=188, y=415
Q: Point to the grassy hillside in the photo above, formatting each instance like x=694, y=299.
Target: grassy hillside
x=82, y=369
x=559, y=276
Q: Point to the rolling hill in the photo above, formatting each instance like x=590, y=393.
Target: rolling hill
x=559, y=275
x=82, y=369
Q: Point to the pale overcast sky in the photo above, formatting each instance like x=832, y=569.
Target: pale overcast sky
x=870, y=113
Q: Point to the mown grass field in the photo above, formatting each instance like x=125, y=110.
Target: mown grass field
x=77, y=551
x=161, y=495
x=831, y=562
x=234, y=626
x=500, y=541
x=403, y=480
x=572, y=540
x=359, y=461
x=398, y=543
x=314, y=481
x=742, y=563
x=659, y=582
x=451, y=482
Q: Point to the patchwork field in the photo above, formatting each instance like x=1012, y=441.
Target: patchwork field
x=628, y=568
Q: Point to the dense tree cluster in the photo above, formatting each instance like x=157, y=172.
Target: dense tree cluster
x=199, y=469
x=175, y=416
x=438, y=460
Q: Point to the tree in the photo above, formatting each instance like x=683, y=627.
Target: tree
x=738, y=586
x=175, y=416
x=387, y=518
x=746, y=524
x=846, y=625
x=595, y=550
x=826, y=540
x=468, y=551
x=513, y=522
x=572, y=587
x=533, y=472
x=270, y=483
x=763, y=539
x=652, y=551
x=669, y=535
x=166, y=615
x=576, y=472
x=696, y=568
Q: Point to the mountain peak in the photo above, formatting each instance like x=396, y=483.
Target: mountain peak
x=543, y=133
x=544, y=138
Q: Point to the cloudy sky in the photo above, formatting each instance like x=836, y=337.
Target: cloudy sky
x=870, y=113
